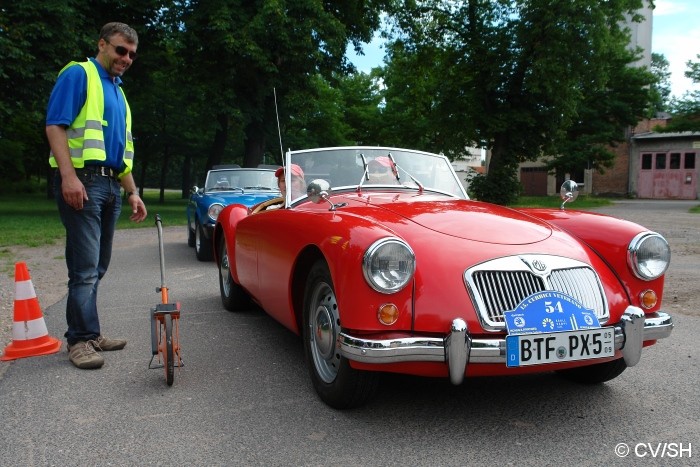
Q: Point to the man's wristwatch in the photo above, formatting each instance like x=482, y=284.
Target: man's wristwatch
x=128, y=194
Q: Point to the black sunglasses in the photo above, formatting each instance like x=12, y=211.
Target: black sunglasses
x=121, y=50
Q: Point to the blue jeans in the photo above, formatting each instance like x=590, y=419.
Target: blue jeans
x=89, y=235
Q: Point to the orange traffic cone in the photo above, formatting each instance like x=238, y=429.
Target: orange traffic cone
x=29, y=333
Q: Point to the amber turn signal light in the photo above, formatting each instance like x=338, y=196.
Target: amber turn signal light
x=648, y=299
x=388, y=314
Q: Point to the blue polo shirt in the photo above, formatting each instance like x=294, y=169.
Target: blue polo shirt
x=68, y=97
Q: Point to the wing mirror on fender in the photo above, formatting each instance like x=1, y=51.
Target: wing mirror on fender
x=317, y=191
x=568, y=192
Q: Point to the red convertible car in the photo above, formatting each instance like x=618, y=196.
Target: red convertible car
x=384, y=264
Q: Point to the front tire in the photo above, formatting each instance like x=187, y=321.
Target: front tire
x=336, y=382
x=191, y=240
x=202, y=245
x=233, y=297
x=169, y=363
x=595, y=374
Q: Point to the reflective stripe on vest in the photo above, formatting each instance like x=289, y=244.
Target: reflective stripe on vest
x=85, y=134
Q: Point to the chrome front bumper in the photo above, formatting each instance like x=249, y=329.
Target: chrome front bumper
x=458, y=349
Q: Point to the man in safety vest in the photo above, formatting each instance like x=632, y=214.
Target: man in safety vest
x=88, y=125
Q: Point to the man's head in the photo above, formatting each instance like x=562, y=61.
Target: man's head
x=298, y=183
x=381, y=170
x=117, y=48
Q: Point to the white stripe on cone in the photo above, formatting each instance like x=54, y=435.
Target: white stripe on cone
x=32, y=329
x=24, y=290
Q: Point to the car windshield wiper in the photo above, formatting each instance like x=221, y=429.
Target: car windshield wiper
x=398, y=177
x=259, y=187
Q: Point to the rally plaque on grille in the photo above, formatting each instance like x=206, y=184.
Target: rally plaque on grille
x=552, y=327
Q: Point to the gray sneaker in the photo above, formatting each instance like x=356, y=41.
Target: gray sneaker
x=105, y=343
x=82, y=354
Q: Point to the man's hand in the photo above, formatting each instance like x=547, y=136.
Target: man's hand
x=138, y=208
x=73, y=192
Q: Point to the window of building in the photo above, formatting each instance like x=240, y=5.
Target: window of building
x=646, y=161
x=660, y=161
x=689, y=160
x=675, y=162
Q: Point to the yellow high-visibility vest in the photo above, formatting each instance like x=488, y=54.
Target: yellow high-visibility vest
x=86, y=140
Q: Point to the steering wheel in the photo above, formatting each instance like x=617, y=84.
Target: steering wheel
x=266, y=204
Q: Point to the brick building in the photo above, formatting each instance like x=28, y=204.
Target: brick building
x=648, y=164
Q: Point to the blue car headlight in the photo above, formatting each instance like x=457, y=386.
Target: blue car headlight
x=214, y=211
x=388, y=265
x=648, y=255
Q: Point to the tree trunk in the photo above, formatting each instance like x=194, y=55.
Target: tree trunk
x=254, y=144
x=220, y=137
x=164, y=172
x=186, y=176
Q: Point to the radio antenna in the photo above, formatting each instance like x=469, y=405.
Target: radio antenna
x=279, y=132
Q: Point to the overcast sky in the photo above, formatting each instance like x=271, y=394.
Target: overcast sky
x=676, y=34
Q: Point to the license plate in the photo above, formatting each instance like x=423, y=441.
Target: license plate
x=558, y=347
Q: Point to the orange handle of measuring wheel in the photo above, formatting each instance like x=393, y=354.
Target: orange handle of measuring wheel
x=164, y=295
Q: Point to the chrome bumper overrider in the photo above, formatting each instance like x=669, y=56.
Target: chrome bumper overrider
x=458, y=349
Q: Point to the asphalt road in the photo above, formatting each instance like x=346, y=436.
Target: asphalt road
x=244, y=396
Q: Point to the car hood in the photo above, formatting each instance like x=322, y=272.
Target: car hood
x=248, y=198
x=469, y=220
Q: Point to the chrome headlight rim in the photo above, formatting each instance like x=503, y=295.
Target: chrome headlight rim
x=214, y=211
x=371, y=254
x=633, y=256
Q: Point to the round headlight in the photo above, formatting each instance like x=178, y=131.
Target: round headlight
x=648, y=255
x=388, y=265
x=214, y=210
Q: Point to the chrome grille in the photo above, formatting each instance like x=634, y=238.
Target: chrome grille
x=500, y=285
x=504, y=290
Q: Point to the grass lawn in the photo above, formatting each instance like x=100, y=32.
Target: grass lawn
x=583, y=202
x=32, y=219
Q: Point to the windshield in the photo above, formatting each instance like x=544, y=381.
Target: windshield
x=241, y=180
x=373, y=168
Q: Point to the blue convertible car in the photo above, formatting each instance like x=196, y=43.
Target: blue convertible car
x=224, y=185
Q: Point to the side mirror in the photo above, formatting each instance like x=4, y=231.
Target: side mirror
x=568, y=192
x=195, y=189
x=317, y=190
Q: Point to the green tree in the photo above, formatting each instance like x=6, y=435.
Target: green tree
x=608, y=108
x=344, y=111
x=36, y=40
x=512, y=76
x=661, y=89
x=34, y=36
x=686, y=109
x=410, y=87
x=241, y=51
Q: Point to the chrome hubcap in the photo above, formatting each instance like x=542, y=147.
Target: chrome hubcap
x=324, y=325
x=224, y=272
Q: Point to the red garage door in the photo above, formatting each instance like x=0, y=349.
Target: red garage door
x=668, y=175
